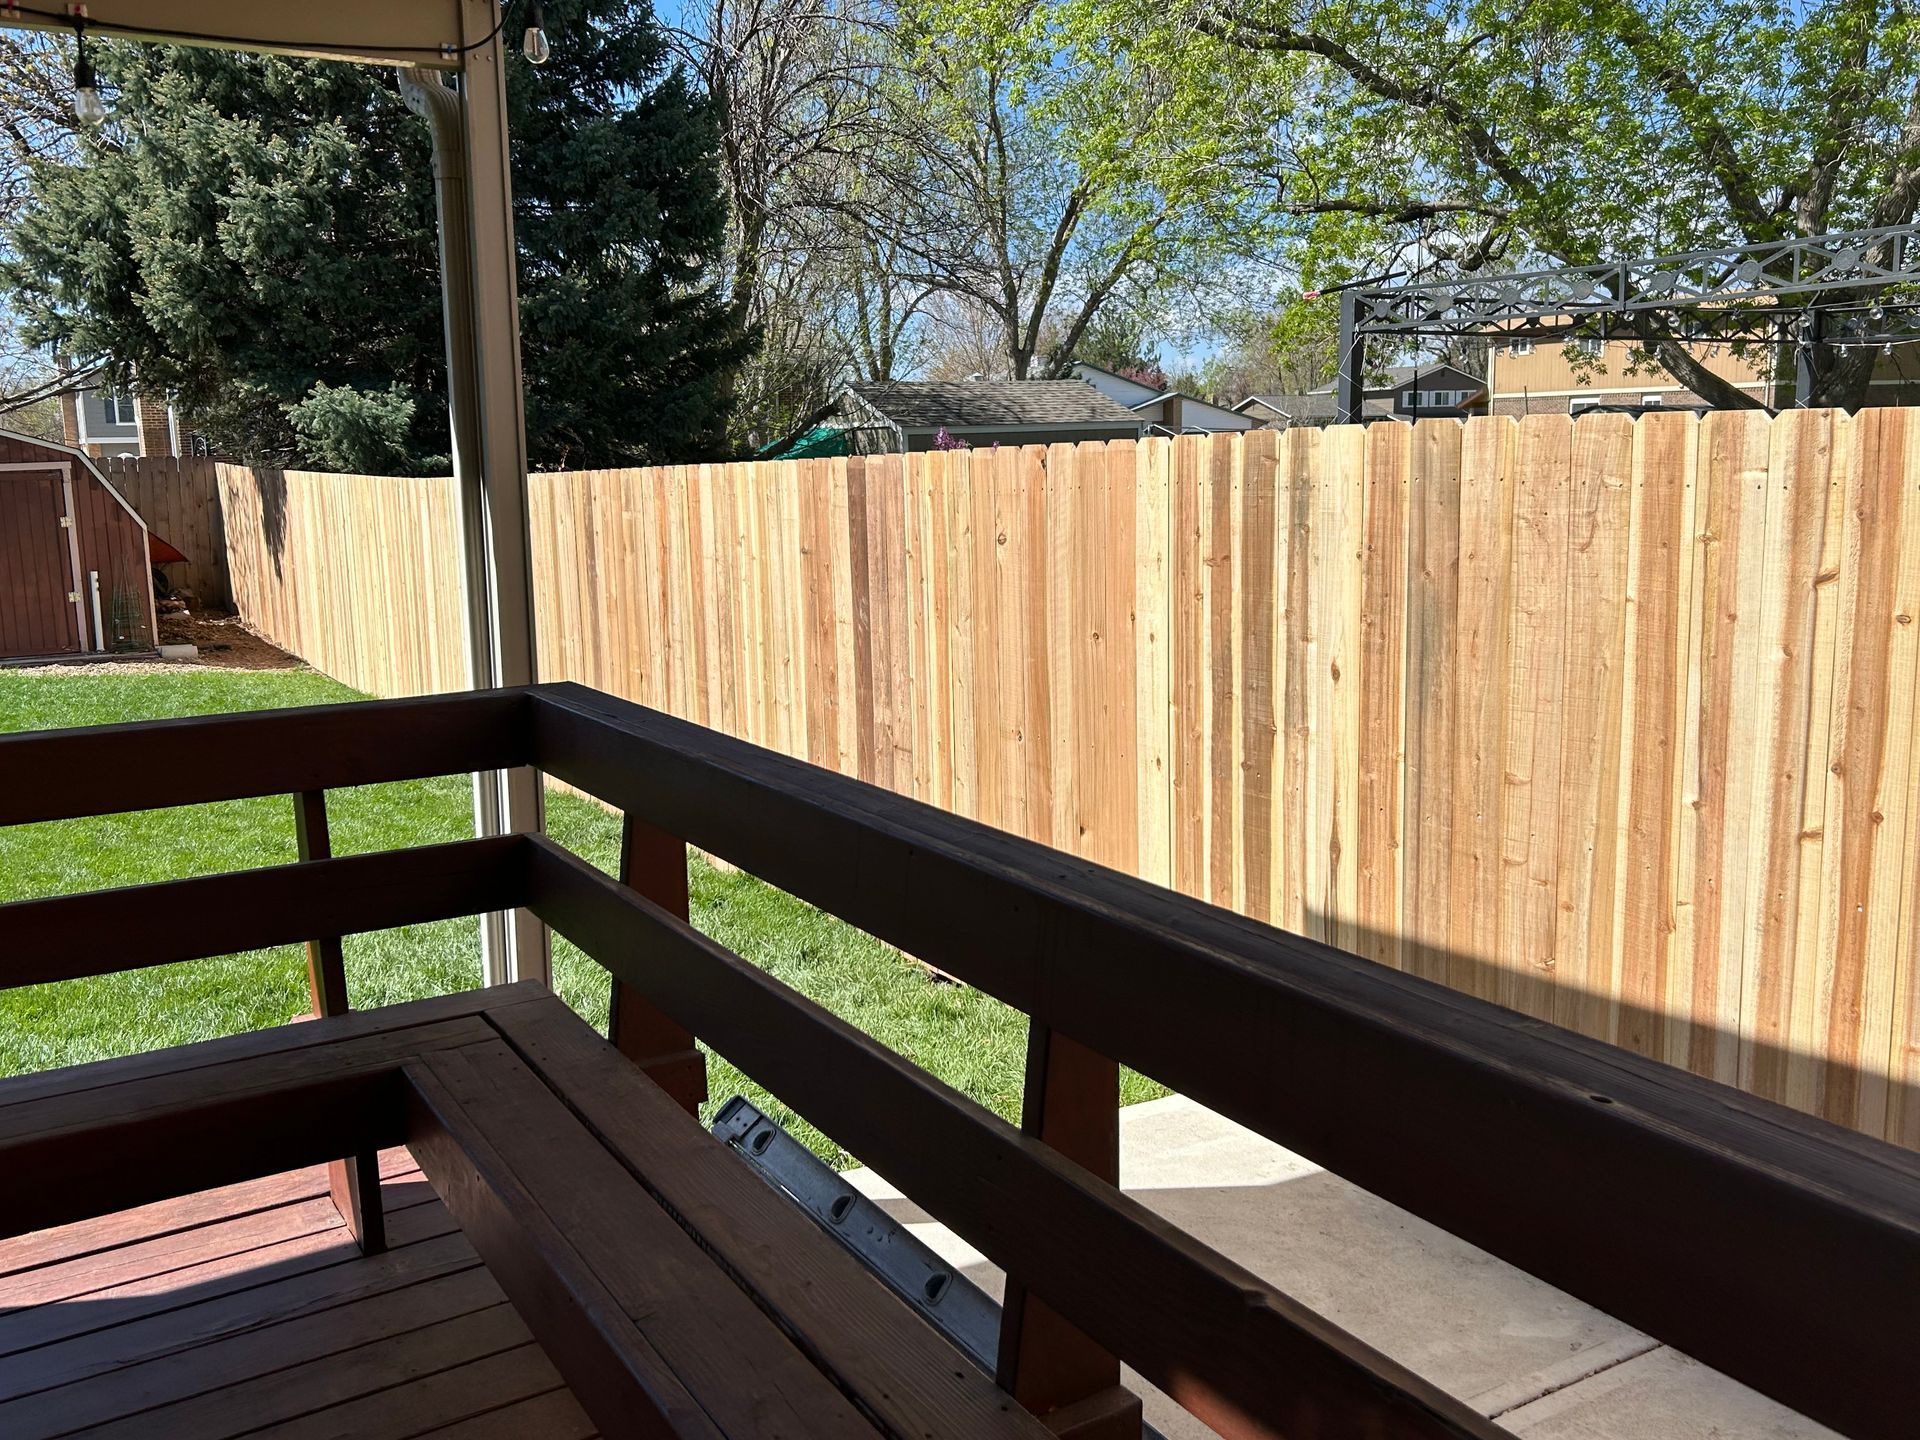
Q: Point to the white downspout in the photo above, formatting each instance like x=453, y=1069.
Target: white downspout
x=513, y=946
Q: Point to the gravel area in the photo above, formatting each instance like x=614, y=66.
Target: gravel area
x=224, y=640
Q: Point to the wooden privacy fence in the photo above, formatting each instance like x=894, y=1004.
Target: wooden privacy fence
x=180, y=501
x=359, y=575
x=1609, y=721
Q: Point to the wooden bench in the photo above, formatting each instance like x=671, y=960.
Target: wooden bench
x=676, y=1292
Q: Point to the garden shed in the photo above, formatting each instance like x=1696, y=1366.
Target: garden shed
x=74, y=572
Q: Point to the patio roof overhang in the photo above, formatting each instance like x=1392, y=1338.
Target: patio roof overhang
x=425, y=32
x=481, y=302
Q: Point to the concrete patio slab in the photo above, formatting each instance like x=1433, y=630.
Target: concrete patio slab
x=1539, y=1360
x=1659, y=1393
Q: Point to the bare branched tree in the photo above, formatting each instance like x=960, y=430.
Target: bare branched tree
x=1036, y=192
x=797, y=82
x=36, y=121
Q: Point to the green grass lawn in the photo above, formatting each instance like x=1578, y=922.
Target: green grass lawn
x=966, y=1038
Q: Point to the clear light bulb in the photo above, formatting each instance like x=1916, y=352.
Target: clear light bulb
x=87, y=104
x=533, y=44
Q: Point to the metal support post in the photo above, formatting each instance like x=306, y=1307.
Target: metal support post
x=1351, y=389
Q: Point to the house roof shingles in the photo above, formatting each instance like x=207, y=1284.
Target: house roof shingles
x=1311, y=406
x=1398, y=375
x=986, y=404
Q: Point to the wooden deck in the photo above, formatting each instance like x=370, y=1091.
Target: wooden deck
x=672, y=1291
x=677, y=1295
x=250, y=1310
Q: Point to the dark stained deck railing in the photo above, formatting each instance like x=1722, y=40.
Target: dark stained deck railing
x=1775, y=1247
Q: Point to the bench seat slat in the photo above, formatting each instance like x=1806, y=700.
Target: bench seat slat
x=652, y=1335
x=880, y=1350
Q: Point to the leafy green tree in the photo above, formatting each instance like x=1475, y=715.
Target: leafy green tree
x=1286, y=348
x=1119, y=342
x=1045, y=181
x=255, y=236
x=357, y=432
x=1454, y=135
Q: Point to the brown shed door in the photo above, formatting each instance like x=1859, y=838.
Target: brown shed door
x=37, y=615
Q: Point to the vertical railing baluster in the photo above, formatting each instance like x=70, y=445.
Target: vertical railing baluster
x=354, y=1183
x=1071, y=1103
x=655, y=864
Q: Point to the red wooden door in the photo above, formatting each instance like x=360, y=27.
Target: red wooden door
x=37, y=614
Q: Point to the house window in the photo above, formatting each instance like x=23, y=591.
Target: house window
x=1520, y=347
x=116, y=409
x=1587, y=345
x=1651, y=400
x=1432, y=399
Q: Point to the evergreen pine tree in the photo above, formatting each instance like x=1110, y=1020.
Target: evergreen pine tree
x=254, y=235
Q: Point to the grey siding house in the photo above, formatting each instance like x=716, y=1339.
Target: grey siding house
x=106, y=423
x=1411, y=392
x=909, y=415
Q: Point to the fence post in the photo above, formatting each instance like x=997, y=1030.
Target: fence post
x=354, y=1183
x=655, y=864
x=1071, y=1103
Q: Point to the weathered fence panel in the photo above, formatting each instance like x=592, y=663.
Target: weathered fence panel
x=1611, y=721
x=180, y=501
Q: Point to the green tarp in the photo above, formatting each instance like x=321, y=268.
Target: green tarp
x=821, y=440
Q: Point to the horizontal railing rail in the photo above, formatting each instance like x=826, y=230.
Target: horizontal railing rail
x=1780, y=1249
x=102, y=932
x=1230, y=1347
x=301, y=753
x=1507, y=1131
x=152, y=764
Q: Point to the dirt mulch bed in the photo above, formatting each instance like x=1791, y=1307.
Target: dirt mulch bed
x=225, y=641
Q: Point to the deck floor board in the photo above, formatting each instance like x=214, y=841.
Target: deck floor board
x=248, y=1310
x=32, y=1326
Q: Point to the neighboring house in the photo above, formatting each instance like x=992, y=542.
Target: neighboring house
x=103, y=422
x=1282, y=412
x=1162, y=412
x=909, y=415
x=1175, y=412
x=1408, y=392
x=1560, y=377
x=1556, y=377
x=1121, y=389
x=1420, y=392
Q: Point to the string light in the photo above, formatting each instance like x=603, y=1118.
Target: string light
x=87, y=104
x=533, y=44
x=91, y=109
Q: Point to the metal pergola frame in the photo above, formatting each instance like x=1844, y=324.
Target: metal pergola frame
x=466, y=38
x=1764, y=294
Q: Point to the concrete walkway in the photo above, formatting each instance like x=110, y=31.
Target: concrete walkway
x=1543, y=1364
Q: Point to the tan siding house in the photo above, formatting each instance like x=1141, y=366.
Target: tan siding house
x=1545, y=377
x=1550, y=377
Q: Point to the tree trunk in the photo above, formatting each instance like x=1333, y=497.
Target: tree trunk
x=1841, y=376
x=1681, y=363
